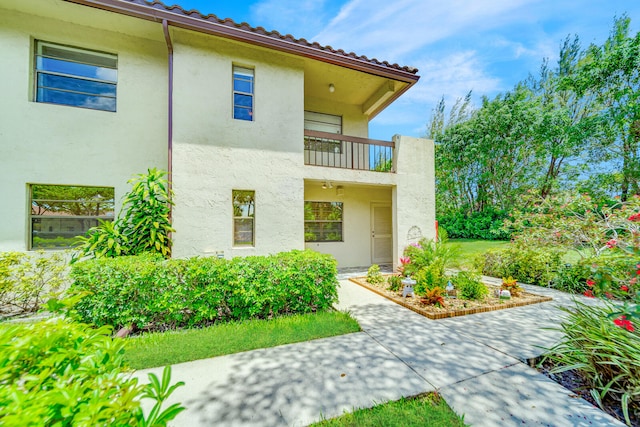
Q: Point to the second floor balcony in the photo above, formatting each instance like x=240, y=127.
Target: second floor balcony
x=347, y=152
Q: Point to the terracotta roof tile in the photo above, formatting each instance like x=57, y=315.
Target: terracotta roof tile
x=262, y=31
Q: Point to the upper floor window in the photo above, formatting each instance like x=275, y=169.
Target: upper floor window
x=77, y=77
x=60, y=213
x=243, y=82
x=322, y=122
x=244, y=213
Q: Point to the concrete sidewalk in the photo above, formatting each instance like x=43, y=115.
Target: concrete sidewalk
x=476, y=362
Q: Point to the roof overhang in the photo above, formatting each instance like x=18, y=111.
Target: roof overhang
x=210, y=24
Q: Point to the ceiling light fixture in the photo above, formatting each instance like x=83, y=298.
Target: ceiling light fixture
x=332, y=88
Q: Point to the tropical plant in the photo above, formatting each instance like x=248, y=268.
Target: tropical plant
x=510, y=284
x=60, y=373
x=146, y=224
x=433, y=296
x=604, y=347
x=143, y=223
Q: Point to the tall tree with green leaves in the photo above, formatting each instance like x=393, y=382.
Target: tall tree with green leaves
x=612, y=70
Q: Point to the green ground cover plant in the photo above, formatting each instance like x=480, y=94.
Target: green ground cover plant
x=60, y=373
x=149, y=293
x=158, y=349
x=426, y=410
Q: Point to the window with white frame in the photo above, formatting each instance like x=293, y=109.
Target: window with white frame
x=243, y=89
x=77, y=77
x=244, y=212
x=61, y=213
x=323, y=221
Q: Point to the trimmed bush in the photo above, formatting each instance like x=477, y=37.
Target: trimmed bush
x=149, y=292
x=535, y=266
x=60, y=373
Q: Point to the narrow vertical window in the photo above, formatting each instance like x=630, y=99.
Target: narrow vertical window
x=244, y=212
x=243, y=93
x=77, y=77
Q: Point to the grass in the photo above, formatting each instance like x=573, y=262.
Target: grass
x=467, y=249
x=425, y=410
x=159, y=349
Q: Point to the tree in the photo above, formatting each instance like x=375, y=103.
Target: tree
x=613, y=72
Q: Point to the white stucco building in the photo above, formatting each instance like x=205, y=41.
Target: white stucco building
x=265, y=136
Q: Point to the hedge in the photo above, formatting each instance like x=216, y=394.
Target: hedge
x=148, y=292
x=535, y=266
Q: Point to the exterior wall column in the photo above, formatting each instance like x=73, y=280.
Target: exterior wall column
x=414, y=201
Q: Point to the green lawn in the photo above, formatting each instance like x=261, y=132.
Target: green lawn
x=159, y=349
x=467, y=249
x=427, y=410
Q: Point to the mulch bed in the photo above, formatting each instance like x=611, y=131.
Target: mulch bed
x=574, y=382
x=454, y=307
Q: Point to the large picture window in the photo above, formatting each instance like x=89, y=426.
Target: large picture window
x=244, y=212
x=243, y=82
x=323, y=221
x=77, y=77
x=61, y=213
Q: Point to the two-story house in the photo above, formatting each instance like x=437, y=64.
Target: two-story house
x=265, y=136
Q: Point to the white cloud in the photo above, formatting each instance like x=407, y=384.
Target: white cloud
x=392, y=30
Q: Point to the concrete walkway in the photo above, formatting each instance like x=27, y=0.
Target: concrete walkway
x=477, y=363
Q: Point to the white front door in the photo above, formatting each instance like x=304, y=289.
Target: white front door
x=381, y=234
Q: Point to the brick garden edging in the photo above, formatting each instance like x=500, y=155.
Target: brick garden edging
x=443, y=315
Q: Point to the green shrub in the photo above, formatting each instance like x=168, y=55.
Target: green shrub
x=59, y=373
x=535, y=266
x=430, y=277
x=605, y=349
x=394, y=283
x=486, y=225
x=469, y=286
x=374, y=276
x=149, y=292
x=424, y=253
x=27, y=280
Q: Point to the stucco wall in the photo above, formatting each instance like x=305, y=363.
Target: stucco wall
x=215, y=154
x=354, y=123
x=56, y=144
x=414, y=202
x=355, y=250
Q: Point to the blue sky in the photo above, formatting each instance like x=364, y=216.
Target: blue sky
x=458, y=45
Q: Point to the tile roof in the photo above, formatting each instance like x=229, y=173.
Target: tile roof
x=260, y=31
